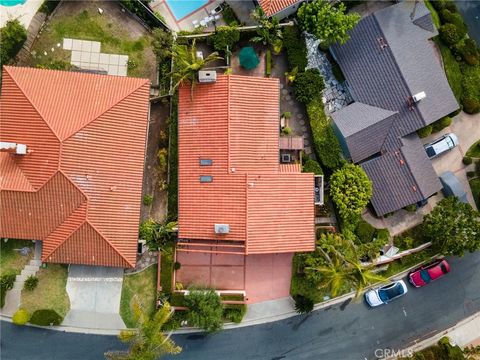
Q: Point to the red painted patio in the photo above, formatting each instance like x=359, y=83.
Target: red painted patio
x=263, y=277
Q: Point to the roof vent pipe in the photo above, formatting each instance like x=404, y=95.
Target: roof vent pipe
x=19, y=149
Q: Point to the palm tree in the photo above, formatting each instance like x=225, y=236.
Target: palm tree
x=269, y=33
x=341, y=267
x=147, y=342
x=165, y=232
x=188, y=64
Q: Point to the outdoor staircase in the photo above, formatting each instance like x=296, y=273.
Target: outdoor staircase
x=13, y=297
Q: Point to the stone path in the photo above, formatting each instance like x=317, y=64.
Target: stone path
x=335, y=95
x=13, y=297
x=86, y=55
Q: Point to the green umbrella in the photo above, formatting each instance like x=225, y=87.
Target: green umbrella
x=248, y=58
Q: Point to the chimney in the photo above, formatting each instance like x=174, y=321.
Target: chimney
x=14, y=148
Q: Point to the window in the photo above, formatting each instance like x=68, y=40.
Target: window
x=206, y=179
x=205, y=162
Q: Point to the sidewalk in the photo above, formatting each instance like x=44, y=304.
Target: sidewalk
x=465, y=333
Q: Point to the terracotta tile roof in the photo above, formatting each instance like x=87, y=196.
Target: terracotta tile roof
x=272, y=7
x=86, y=134
x=238, y=136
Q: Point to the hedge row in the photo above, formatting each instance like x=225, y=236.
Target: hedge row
x=295, y=48
x=327, y=147
x=435, y=127
x=172, y=188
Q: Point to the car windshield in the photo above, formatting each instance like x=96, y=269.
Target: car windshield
x=425, y=276
x=449, y=142
x=390, y=292
x=444, y=268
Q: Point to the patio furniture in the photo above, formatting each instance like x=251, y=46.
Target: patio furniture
x=248, y=58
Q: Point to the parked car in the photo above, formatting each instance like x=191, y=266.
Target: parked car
x=385, y=294
x=427, y=273
x=439, y=146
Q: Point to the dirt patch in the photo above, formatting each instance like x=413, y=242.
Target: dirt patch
x=154, y=179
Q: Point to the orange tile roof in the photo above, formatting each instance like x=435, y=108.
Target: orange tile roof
x=86, y=139
x=272, y=7
x=228, y=125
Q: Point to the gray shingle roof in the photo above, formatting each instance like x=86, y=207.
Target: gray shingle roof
x=385, y=77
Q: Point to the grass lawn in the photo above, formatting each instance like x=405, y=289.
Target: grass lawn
x=167, y=267
x=144, y=286
x=10, y=259
x=452, y=70
x=51, y=291
x=474, y=150
x=435, y=17
x=475, y=186
x=88, y=24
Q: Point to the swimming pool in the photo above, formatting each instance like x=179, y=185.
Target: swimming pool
x=181, y=8
x=11, y=2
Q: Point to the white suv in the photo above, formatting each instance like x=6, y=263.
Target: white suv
x=439, y=146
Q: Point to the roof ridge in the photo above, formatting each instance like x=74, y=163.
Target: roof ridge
x=84, y=204
x=103, y=113
x=30, y=100
x=108, y=241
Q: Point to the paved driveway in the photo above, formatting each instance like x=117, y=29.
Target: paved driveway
x=467, y=128
x=94, y=293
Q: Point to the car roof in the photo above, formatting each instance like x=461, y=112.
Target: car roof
x=393, y=290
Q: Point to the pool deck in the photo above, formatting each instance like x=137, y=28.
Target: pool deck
x=186, y=23
x=24, y=12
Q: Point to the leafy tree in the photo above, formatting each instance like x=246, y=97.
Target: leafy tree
x=269, y=33
x=225, y=37
x=453, y=227
x=329, y=23
x=311, y=166
x=308, y=86
x=12, y=36
x=148, y=341
x=295, y=47
x=187, y=64
x=351, y=190
x=205, y=309
x=162, y=42
x=450, y=34
x=303, y=305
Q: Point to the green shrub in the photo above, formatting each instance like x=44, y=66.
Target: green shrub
x=176, y=265
x=147, y=230
x=173, y=163
x=162, y=42
x=6, y=283
x=404, y=242
x=365, y=232
x=147, y=199
x=312, y=166
x=471, y=89
x=308, y=86
x=471, y=105
x=225, y=36
x=295, y=47
x=13, y=35
x=467, y=160
x=383, y=235
x=205, y=309
x=56, y=65
x=477, y=167
x=411, y=208
x=441, y=124
x=327, y=147
x=30, y=283
x=48, y=6
x=234, y=313
x=229, y=16
x=46, y=317
x=162, y=159
x=20, y=317
x=454, y=18
x=303, y=304
x=268, y=63
x=450, y=34
x=286, y=130
x=471, y=174
x=425, y=131
x=469, y=51
x=444, y=4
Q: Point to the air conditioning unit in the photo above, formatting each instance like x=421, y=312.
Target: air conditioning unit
x=207, y=76
x=419, y=96
x=286, y=158
x=222, y=228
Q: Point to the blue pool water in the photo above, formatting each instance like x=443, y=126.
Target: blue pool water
x=11, y=2
x=181, y=8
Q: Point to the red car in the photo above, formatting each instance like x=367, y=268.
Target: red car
x=427, y=273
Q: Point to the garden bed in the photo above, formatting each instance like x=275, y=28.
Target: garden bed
x=50, y=292
x=117, y=32
x=11, y=261
x=143, y=285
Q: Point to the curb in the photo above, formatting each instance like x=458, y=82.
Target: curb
x=420, y=345
x=228, y=326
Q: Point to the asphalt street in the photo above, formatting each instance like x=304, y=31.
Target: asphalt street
x=348, y=331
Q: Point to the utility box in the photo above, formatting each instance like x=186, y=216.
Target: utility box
x=206, y=77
